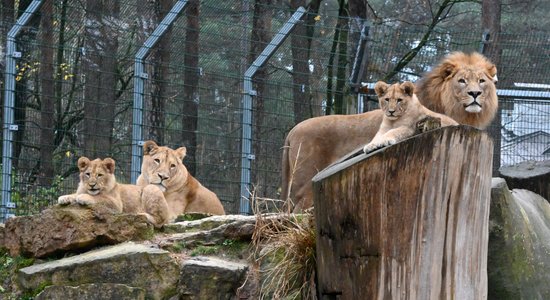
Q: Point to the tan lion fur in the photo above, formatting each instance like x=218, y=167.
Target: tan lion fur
x=163, y=167
x=402, y=111
x=98, y=187
x=315, y=143
x=451, y=86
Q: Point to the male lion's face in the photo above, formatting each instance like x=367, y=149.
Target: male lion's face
x=96, y=175
x=394, y=99
x=471, y=87
x=163, y=166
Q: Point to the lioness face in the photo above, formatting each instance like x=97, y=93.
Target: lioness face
x=96, y=175
x=471, y=88
x=394, y=99
x=163, y=164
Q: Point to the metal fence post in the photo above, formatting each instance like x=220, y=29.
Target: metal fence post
x=248, y=92
x=9, y=101
x=139, y=78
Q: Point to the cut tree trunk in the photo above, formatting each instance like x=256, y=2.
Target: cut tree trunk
x=408, y=221
x=529, y=175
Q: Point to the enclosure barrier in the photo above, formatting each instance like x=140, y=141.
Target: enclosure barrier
x=9, y=98
x=248, y=93
x=139, y=78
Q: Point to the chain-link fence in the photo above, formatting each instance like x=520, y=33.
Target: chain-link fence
x=74, y=92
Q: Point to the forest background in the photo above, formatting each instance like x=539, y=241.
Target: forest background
x=74, y=81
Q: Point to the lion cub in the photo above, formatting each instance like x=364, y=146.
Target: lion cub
x=402, y=111
x=98, y=186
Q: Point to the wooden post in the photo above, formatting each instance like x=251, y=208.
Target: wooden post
x=408, y=221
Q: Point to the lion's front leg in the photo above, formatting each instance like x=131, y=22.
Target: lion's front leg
x=391, y=137
x=86, y=200
x=155, y=205
x=66, y=199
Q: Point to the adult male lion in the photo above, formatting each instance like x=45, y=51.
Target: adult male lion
x=163, y=167
x=462, y=87
x=98, y=187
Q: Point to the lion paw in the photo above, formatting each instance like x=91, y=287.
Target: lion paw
x=66, y=199
x=84, y=200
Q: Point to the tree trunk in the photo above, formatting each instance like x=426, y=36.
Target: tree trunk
x=490, y=19
x=160, y=60
x=191, y=89
x=47, y=107
x=260, y=38
x=529, y=175
x=300, y=67
x=100, y=68
x=409, y=221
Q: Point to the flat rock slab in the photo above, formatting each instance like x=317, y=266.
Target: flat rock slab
x=59, y=230
x=131, y=264
x=210, y=278
x=93, y=291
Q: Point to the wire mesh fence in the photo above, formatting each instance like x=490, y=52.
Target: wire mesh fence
x=74, y=92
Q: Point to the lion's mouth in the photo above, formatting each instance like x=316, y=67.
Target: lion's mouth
x=93, y=191
x=473, y=107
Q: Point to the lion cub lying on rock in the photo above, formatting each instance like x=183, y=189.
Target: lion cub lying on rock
x=402, y=112
x=163, y=167
x=98, y=186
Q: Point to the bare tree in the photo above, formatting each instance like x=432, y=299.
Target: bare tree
x=160, y=59
x=47, y=107
x=490, y=22
x=190, y=107
x=100, y=69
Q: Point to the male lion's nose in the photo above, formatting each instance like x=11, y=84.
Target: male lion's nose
x=474, y=94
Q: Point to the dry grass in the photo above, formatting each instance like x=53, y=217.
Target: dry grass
x=284, y=247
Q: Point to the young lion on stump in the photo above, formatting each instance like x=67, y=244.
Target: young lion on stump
x=402, y=111
x=98, y=186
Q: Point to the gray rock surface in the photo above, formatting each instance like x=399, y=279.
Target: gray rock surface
x=93, y=291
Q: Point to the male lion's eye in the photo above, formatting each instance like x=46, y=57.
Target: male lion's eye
x=387, y=99
x=481, y=80
x=87, y=174
x=157, y=160
x=461, y=80
x=99, y=175
x=399, y=100
x=172, y=166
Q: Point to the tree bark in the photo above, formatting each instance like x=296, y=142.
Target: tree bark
x=490, y=19
x=47, y=103
x=100, y=68
x=409, y=221
x=191, y=79
x=529, y=175
x=160, y=59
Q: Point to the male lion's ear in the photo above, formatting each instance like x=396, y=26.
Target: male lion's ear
x=83, y=163
x=181, y=152
x=149, y=147
x=492, y=70
x=447, y=69
x=109, y=164
x=380, y=88
x=408, y=88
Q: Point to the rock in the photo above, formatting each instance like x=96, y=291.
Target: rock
x=62, y=229
x=529, y=175
x=93, y=291
x=135, y=265
x=210, y=278
x=519, y=244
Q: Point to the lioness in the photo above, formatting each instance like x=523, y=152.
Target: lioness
x=315, y=143
x=402, y=111
x=163, y=167
x=98, y=186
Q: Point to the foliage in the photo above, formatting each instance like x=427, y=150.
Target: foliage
x=8, y=268
x=37, y=200
x=285, y=247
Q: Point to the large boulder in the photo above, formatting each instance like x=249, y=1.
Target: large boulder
x=210, y=278
x=92, y=291
x=58, y=230
x=529, y=175
x=134, y=265
x=519, y=244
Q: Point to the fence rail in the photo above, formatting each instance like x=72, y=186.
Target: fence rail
x=78, y=89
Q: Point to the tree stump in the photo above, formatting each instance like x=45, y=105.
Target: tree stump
x=529, y=175
x=408, y=221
